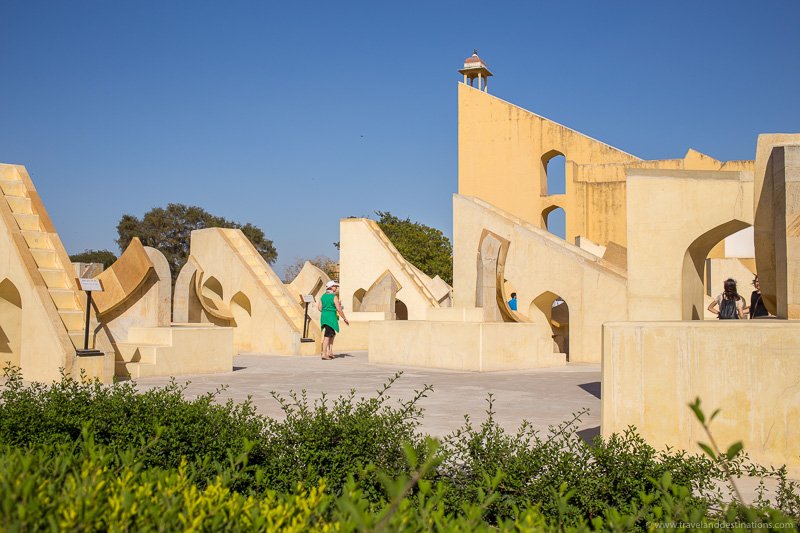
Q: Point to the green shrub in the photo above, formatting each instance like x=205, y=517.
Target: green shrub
x=87, y=487
x=58, y=488
x=120, y=417
x=532, y=467
x=378, y=470
x=334, y=439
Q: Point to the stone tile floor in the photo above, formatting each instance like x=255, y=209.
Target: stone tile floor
x=543, y=397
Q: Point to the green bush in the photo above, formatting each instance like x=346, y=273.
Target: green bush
x=531, y=467
x=64, y=447
x=334, y=439
x=87, y=487
x=120, y=417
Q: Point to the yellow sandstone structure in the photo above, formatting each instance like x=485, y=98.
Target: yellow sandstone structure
x=647, y=244
x=227, y=282
x=649, y=254
x=42, y=310
x=564, y=290
x=750, y=371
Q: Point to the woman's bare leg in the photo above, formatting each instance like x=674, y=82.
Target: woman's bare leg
x=325, y=343
x=330, y=348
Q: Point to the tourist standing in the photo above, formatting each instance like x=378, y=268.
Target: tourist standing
x=731, y=305
x=757, y=307
x=512, y=303
x=330, y=310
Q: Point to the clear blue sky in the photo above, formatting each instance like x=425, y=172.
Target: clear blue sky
x=291, y=115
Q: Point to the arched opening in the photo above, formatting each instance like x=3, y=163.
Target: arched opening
x=694, y=299
x=212, y=288
x=554, y=165
x=556, y=313
x=400, y=310
x=10, y=324
x=242, y=313
x=554, y=220
x=358, y=297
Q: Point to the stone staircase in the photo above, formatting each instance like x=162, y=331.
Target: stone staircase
x=404, y=265
x=174, y=350
x=271, y=283
x=48, y=254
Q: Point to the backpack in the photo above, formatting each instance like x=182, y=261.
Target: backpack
x=727, y=310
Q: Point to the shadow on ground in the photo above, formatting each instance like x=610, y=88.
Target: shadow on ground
x=592, y=388
x=589, y=434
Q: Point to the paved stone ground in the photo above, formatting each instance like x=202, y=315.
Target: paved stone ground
x=543, y=397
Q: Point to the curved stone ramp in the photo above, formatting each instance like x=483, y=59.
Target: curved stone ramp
x=490, y=294
x=123, y=278
x=215, y=307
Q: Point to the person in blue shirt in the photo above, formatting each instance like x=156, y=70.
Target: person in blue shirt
x=512, y=303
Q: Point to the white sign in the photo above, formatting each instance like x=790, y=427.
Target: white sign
x=308, y=298
x=90, y=284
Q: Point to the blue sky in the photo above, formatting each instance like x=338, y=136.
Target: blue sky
x=291, y=115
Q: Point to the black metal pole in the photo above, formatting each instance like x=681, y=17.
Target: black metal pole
x=88, y=310
x=305, y=323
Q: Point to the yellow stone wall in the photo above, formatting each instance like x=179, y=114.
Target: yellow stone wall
x=501, y=153
x=676, y=217
x=651, y=371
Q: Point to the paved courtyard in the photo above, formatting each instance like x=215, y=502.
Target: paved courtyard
x=543, y=397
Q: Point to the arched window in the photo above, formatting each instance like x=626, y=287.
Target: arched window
x=556, y=314
x=695, y=266
x=242, y=311
x=10, y=324
x=212, y=288
x=554, y=164
x=554, y=219
x=358, y=297
x=400, y=310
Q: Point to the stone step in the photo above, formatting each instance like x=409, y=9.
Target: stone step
x=74, y=320
x=77, y=338
x=55, y=278
x=45, y=257
x=12, y=187
x=126, y=370
x=37, y=239
x=20, y=204
x=138, y=353
x=27, y=221
x=64, y=299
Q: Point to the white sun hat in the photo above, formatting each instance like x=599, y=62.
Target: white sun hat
x=331, y=283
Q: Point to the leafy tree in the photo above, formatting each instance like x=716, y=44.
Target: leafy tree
x=94, y=256
x=168, y=229
x=324, y=263
x=425, y=247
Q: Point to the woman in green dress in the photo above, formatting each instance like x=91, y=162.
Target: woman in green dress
x=330, y=309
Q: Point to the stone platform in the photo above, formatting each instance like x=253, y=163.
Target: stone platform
x=544, y=396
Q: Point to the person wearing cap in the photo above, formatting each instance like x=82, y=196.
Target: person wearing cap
x=330, y=309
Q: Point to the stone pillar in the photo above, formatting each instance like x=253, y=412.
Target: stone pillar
x=777, y=223
x=785, y=166
x=486, y=294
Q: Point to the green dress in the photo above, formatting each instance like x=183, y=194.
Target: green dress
x=329, y=316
